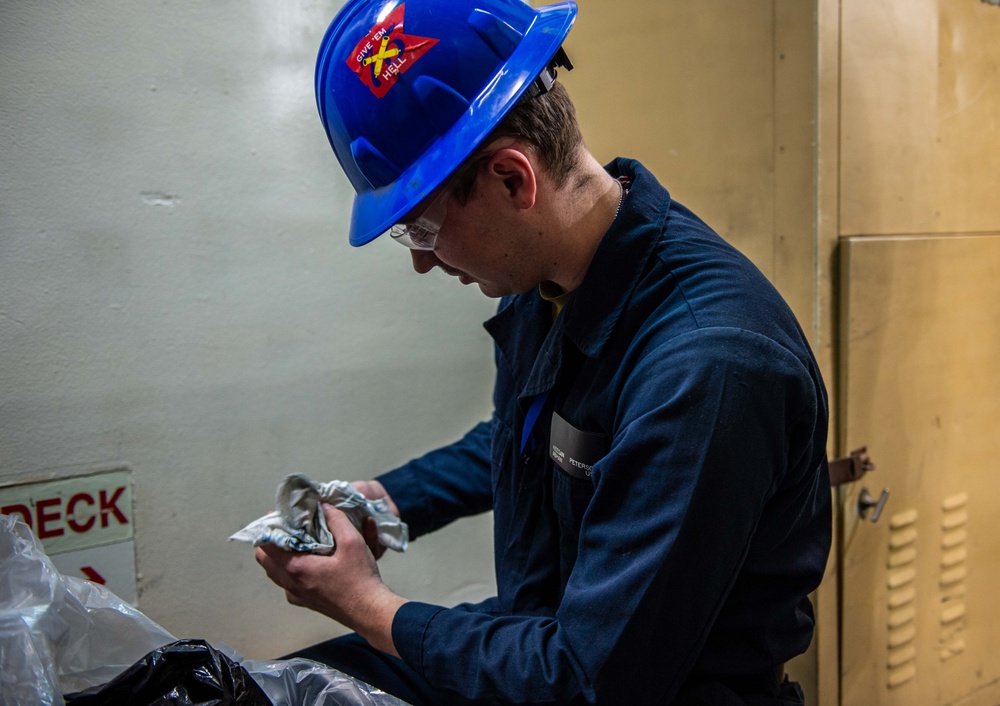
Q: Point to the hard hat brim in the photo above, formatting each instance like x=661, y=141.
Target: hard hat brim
x=374, y=212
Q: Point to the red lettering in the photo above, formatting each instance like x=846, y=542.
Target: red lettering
x=45, y=517
x=71, y=518
x=109, y=506
x=23, y=510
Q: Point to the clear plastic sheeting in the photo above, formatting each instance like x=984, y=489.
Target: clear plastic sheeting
x=297, y=682
x=61, y=635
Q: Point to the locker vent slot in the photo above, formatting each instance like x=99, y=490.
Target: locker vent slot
x=901, y=651
x=954, y=554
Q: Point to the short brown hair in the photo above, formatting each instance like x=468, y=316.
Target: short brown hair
x=547, y=122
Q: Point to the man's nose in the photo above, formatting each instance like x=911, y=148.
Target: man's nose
x=424, y=260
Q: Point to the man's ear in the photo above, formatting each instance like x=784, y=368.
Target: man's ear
x=513, y=170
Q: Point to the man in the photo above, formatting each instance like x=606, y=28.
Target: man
x=655, y=462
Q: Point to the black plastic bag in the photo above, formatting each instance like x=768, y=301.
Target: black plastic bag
x=183, y=673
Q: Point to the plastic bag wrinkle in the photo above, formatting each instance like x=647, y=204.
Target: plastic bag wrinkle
x=183, y=673
x=62, y=635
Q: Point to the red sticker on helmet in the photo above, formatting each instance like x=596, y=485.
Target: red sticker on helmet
x=386, y=53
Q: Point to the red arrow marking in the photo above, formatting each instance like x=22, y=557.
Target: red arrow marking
x=92, y=575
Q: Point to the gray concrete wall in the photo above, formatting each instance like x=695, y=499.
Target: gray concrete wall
x=177, y=296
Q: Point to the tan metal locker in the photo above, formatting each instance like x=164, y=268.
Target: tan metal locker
x=917, y=194
x=920, y=117
x=920, y=386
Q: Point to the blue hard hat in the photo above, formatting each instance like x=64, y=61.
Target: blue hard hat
x=407, y=90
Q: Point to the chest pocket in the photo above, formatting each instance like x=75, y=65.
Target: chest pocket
x=570, y=498
x=573, y=453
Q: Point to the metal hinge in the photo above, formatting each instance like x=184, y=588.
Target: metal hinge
x=849, y=468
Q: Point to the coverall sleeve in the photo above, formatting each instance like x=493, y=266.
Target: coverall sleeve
x=445, y=484
x=701, y=446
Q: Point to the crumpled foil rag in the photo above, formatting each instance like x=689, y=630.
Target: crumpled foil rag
x=298, y=524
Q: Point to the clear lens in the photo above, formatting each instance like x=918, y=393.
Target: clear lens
x=414, y=236
x=421, y=233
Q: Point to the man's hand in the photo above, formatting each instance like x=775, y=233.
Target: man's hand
x=345, y=586
x=373, y=490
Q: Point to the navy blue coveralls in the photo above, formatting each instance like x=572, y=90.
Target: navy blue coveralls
x=679, y=568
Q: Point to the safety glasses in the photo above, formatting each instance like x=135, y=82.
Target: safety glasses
x=421, y=233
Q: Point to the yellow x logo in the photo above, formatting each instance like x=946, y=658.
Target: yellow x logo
x=379, y=58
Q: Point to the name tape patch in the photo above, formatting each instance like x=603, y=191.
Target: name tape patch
x=574, y=450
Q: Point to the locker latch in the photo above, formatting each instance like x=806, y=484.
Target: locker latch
x=866, y=502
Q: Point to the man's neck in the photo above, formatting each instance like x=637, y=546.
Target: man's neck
x=581, y=211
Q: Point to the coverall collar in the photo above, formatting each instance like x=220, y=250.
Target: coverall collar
x=534, y=349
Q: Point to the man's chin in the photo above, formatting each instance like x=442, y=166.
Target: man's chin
x=494, y=291
x=489, y=289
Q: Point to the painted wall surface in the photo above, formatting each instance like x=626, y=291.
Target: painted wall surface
x=177, y=296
